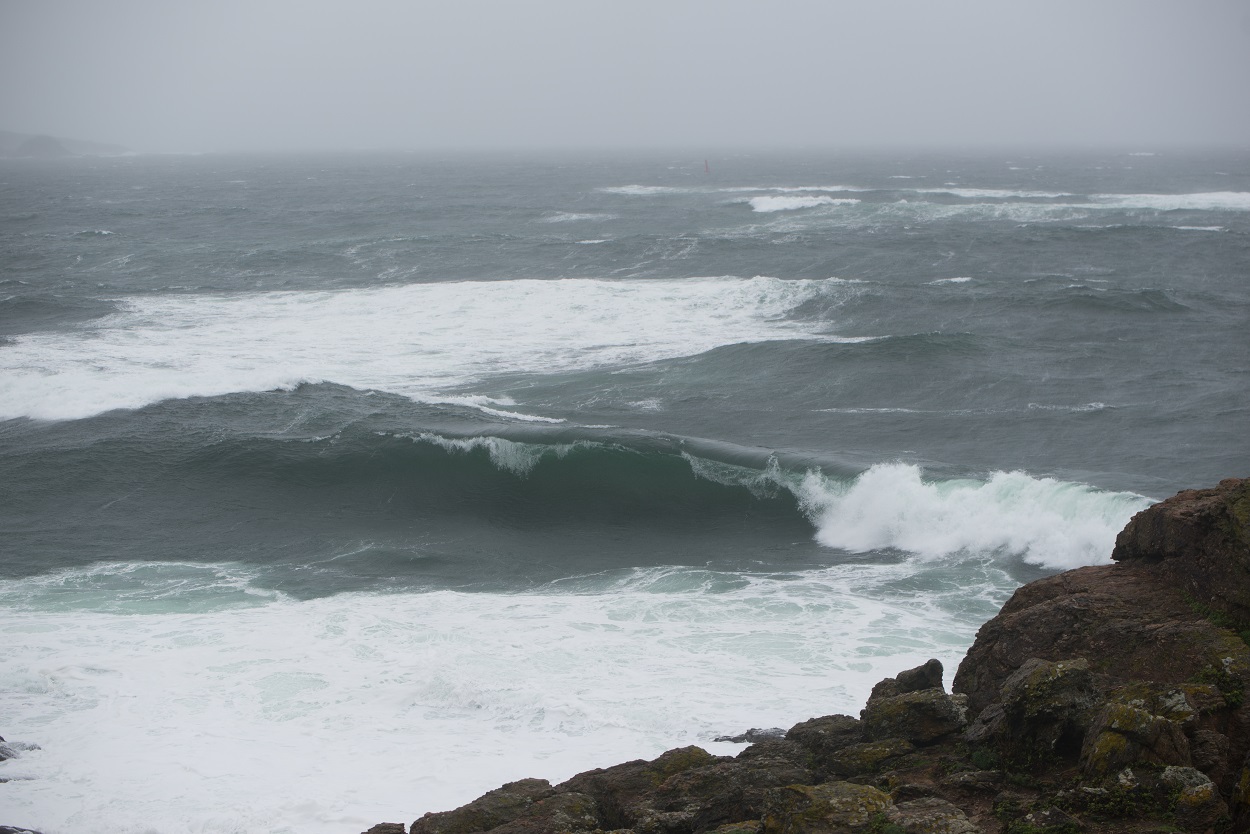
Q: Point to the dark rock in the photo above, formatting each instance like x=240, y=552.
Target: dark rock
x=744, y=827
x=1209, y=751
x=833, y=807
x=754, y=735
x=13, y=749
x=1151, y=616
x=926, y=676
x=565, y=812
x=781, y=749
x=1044, y=711
x=974, y=781
x=931, y=815
x=920, y=716
x=1122, y=735
x=1051, y=820
x=1198, y=541
x=907, y=791
x=867, y=757
x=387, y=828
x=488, y=811
x=1197, y=803
x=627, y=793
x=823, y=737
x=722, y=793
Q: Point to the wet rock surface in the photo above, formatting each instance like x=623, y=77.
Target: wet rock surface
x=1108, y=699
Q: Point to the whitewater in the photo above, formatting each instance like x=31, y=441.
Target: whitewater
x=339, y=489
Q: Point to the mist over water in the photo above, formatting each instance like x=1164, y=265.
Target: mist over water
x=539, y=463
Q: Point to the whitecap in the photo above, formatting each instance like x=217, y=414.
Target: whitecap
x=1056, y=524
x=771, y=203
x=416, y=340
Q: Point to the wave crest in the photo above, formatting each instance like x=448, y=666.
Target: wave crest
x=1055, y=524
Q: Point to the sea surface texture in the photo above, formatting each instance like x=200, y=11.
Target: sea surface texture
x=338, y=489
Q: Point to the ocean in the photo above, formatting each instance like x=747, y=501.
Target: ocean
x=336, y=489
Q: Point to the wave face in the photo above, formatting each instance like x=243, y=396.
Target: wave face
x=541, y=464
x=352, y=497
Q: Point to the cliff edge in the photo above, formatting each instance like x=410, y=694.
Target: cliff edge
x=1108, y=699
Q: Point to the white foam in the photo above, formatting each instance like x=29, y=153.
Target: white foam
x=800, y=188
x=418, y=340
x=1200, y=201
x=1056, y=524
x=1199, y=228
x=575, y=217
x=993, y=193
x=962, y=279
x=771, y=203
x=645, y=190
x=517, y=458
x=331, y=715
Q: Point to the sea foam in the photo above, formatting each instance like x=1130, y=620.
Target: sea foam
x=785, y=203
x=312, y=716
x=418, y=340
x=1055, y=524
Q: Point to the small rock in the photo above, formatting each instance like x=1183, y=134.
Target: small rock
x=754, y=735
x=926, y=676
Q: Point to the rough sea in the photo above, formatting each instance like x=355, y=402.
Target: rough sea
x=338, y=489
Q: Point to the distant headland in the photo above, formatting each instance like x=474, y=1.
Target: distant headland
x=40, y=146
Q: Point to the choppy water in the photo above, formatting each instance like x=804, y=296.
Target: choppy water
x=339, y=489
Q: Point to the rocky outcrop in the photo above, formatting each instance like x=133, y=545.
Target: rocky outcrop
x=1106, y=699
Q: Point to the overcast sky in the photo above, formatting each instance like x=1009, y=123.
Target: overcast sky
x=176, y=75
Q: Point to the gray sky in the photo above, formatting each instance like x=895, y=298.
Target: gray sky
x=176, y=75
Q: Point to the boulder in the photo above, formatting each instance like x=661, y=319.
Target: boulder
x=925, y=676
x=1198, y=541
x=1122, y=735
x=1197, y=803
x=921, y=717
x=754, y=735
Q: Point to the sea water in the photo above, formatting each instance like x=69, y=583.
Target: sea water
x=339, y=489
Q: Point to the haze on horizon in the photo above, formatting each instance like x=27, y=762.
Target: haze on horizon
x=484, y=74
